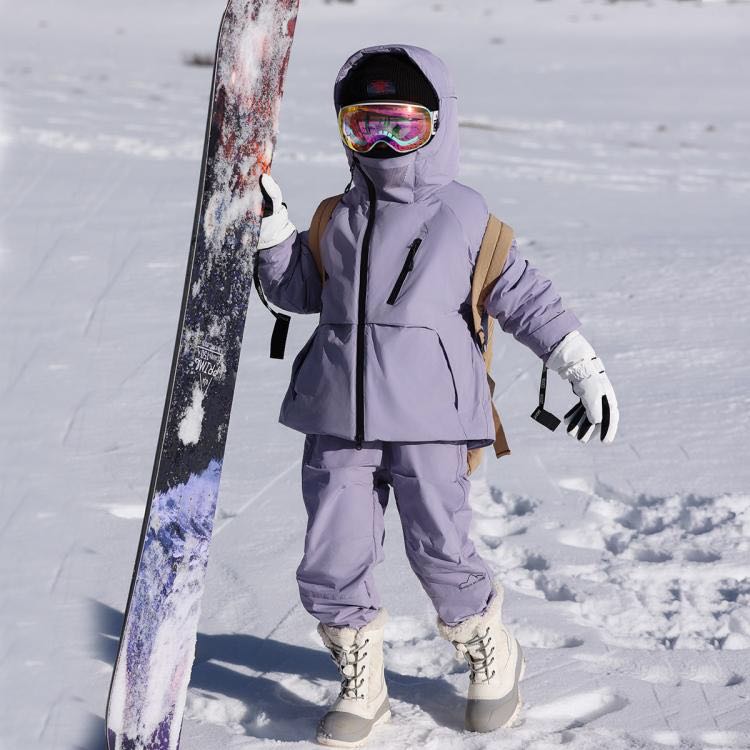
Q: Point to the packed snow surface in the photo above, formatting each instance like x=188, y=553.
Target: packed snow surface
x=615, y=138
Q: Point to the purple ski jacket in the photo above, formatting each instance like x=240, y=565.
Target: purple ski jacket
x=393, y=356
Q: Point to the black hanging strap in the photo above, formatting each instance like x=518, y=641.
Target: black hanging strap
x=281, y=326
x=540, y=414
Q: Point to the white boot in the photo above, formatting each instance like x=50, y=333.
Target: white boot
x=363, y=701
x=495, y=664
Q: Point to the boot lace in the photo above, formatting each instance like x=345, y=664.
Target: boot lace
x=348, y=662
x=479, y=652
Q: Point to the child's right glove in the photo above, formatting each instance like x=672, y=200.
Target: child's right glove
x=575, y=360
x=275, y=226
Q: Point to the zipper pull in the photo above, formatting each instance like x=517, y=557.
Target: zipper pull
x=412, y=252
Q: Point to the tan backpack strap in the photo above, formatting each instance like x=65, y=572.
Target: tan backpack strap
x=493, y=253
x=319, y=222
x=501, y=442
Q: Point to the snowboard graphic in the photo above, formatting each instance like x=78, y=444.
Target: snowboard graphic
x=151, y=674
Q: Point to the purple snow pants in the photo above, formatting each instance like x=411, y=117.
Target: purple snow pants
x=346, y=491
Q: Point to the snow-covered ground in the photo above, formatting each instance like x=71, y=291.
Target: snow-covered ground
x=615, y=137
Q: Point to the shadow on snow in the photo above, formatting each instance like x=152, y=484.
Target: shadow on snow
x=273, y=711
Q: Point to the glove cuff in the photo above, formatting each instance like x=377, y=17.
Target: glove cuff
x=275, y=228
x=574, y=358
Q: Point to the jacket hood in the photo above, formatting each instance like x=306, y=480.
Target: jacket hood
x=411, y=176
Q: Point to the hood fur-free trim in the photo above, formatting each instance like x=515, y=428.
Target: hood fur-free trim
x=435, y=164
x=468, y=628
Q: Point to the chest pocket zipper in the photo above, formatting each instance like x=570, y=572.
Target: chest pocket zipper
x=405, y=270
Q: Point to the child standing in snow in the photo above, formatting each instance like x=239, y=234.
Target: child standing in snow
x=391, y=389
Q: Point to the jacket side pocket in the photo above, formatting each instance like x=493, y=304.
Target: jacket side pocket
x=299, y=360
x=450, y=370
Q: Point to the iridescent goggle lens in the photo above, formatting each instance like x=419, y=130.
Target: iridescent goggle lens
x=403, y=126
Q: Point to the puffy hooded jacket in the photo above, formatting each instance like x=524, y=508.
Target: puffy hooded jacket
x=406, y=368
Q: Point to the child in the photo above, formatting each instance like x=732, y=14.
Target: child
x=391, y=388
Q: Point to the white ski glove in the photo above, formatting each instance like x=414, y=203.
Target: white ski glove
x=575, y=361
x=275, y=227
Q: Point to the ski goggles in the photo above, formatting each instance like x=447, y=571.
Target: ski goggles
x=401, y=125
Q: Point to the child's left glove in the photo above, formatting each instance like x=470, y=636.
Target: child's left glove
x=275, y=226
x=575, y=360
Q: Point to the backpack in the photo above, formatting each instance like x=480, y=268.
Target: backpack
x=493, y=252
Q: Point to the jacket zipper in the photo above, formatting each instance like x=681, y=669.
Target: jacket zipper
x=407, y=268
x=359, y=434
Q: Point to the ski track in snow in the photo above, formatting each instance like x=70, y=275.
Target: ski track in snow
x=625, y=172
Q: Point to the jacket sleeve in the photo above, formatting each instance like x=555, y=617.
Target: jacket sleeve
x=527, y=306
x=289, y=276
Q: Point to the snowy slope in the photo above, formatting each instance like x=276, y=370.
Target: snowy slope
x=615, y=137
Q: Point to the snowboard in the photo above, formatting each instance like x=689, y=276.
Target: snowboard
x=149, y=684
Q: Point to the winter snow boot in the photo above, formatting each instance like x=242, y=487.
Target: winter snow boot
x=363, y=701
x=495, y=664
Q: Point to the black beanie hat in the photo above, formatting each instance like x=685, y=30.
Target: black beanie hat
x=385, y=76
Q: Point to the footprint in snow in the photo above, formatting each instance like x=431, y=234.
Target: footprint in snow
x=649, y=555
x=701, y=556
x=536, y=562
x=512, y=505
x=491, y=541
x=498, y=515
x=554, y=592
x=576, y=710
x=533, y=636
x=673, y=571
x=492, y=501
